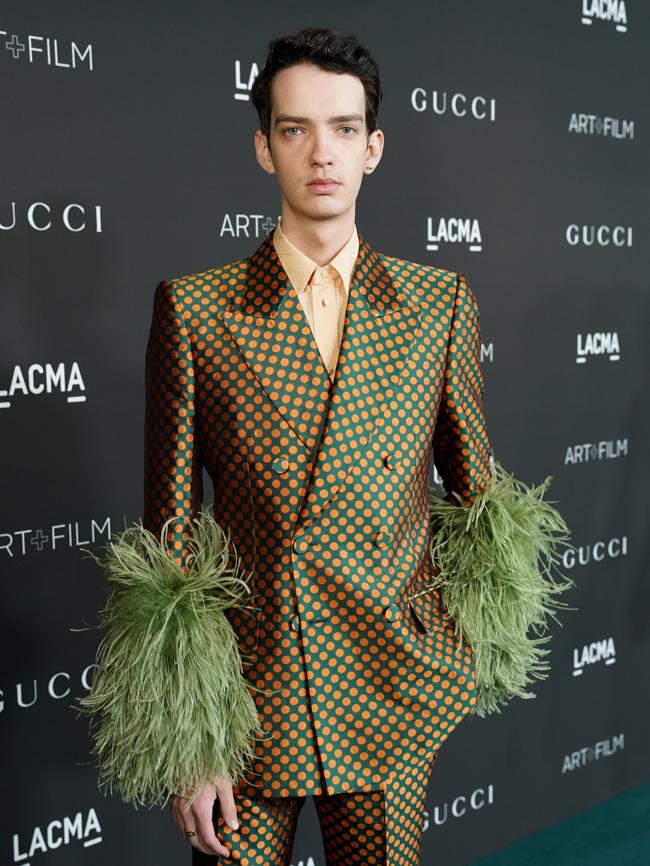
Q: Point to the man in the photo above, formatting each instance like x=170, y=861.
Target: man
x=312, y=381
x=319, y=138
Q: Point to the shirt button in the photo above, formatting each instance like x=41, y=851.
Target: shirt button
x=324, y=301
x=331, y=371
x=323, y=273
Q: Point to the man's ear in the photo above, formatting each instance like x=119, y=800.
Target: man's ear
x=263, y=152
x=375, y=148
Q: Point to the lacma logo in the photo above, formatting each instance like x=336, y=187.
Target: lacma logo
x=605, y=10
x=43, y=49
x=243, y=87
x=454, y=230
x=244, y=225
x=590, y=345
x=39, y=379
x=85, y=829
x=593, y=653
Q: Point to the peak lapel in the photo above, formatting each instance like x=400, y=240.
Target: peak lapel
x=268, y=324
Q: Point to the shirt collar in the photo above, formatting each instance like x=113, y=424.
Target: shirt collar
x=300, y=267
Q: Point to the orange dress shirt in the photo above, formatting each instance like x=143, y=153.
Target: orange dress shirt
x=323, y=292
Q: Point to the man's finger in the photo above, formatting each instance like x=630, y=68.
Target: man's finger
x=206, y=840
x=228, y=807
x=204, y=849
x=207, y=834
x=187, y=819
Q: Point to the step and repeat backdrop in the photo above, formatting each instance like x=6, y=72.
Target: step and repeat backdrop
x=516, y=152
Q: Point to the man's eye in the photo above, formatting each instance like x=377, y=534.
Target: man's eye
x=289, y=129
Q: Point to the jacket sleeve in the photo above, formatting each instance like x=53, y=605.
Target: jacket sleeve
x=173, y=479
x=494, y=540
x=461, y=449
x=169, y=669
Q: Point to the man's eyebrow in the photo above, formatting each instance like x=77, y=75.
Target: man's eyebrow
x=292, y=118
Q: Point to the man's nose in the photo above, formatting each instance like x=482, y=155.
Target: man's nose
x=321, y=149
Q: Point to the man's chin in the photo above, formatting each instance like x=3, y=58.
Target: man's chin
x=324, y=208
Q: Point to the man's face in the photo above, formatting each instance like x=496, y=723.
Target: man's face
x=317, y=132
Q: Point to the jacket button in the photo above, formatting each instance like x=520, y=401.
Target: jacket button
x=381, y=539
x=300, y=545
x=390, y=462
x=281, y=464
x=389, y=612
x=294, y=622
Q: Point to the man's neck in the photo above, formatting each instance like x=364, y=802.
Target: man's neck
x=320, y=240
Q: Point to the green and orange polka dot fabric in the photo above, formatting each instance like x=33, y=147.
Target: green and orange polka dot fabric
x=359, y=828
x=355, y=667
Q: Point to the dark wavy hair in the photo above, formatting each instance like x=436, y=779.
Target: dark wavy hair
x=327, y=49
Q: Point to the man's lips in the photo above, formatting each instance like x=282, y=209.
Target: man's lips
x=324, y=184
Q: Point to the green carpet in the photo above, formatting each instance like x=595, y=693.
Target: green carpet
x=614, y=833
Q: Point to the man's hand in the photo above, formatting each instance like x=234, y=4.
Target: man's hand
x=198, y=816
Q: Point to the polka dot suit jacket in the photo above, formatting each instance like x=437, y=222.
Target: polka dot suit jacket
x=352, y=658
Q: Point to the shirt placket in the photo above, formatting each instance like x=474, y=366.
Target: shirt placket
x=325, y=316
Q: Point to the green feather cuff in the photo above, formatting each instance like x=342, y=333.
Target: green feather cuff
x=175, y=710
x=495, y=558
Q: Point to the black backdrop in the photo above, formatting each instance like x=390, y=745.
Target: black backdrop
x=127, y=138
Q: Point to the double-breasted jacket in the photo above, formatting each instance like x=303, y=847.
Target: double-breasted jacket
x=351, y=656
